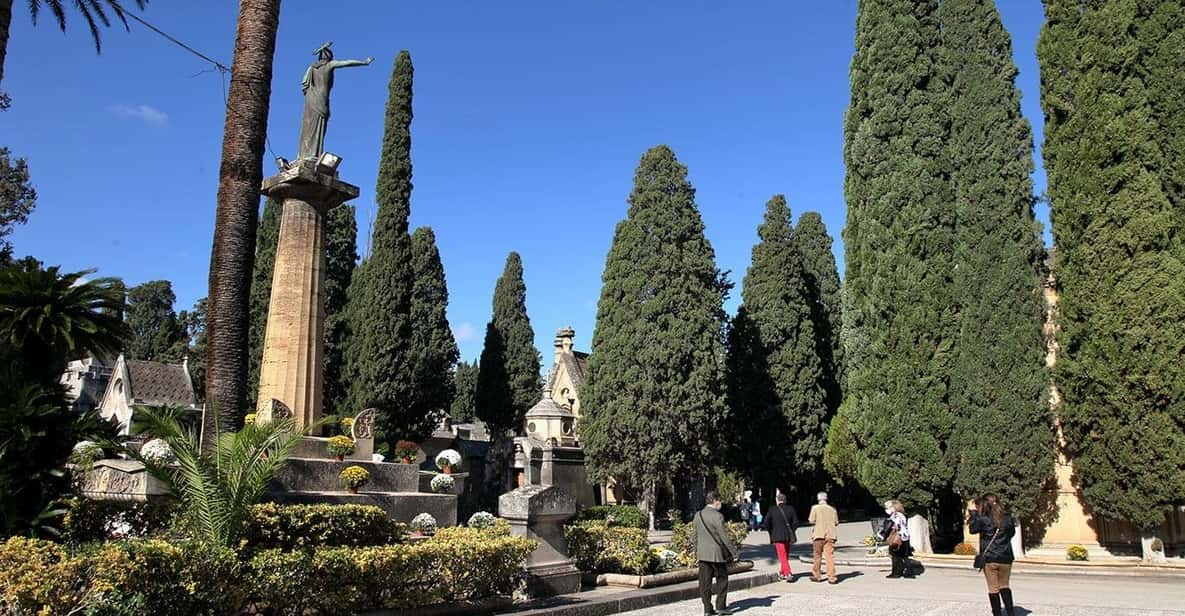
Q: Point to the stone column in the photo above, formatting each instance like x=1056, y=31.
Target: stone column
x=291, y=372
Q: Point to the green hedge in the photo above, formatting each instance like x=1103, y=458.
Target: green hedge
x=596, y=547
x=616, y=515
x=88, y=520
x=293, y=527
x=683, y=539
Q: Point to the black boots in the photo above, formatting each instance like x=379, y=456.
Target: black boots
x=1006, y=595
x=994, y=599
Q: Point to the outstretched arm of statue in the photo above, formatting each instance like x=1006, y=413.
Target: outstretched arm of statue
x=336, y=64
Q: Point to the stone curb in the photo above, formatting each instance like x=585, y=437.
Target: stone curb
x=1034, y=567
x=634, y=600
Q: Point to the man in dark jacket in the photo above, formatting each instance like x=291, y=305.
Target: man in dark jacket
x=714, y=551
x=780, y=522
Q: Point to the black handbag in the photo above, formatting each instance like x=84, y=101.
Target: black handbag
x=979, y=558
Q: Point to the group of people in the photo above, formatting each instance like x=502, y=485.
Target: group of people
x=986, y=517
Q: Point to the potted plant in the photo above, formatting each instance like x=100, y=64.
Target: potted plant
x=482, y=519
x=442, y=484
x=406, y=451
x=447, y=460
x=423, y=524
x=340, y=446
x=354, y=477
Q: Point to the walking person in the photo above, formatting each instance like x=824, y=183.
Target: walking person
x=714, y=551
x=781, y=522
x=755, y=516
x=825, y=521
x=746, y=509
x=995, y=528
x=895, y=533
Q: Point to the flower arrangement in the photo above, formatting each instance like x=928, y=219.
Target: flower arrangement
x=346, y=423
x=423, y=524
x=406, y=451
x=158, y=451
x=664, y=559
x=965, y=549
x=249, y=419
x=340, y=446
x=1077, y=552
x=354, y=477
x=482, y=519
x=448, y=459
x=442, y=484
x=869, y=541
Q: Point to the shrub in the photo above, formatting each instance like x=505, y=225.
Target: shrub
x=594, y=546
x=354, y=476
x=482, y=519
x=294, y=527
x=88, y=520
x=683, y=539
x=616, y=515
x=1077, y=552
x=39, y=577
x=155, y=577
x=340, y=445
x=423, y=523
x=499, y=528
x=966, y=549
x=406, y=449
x=442, y=484
x=448, y=459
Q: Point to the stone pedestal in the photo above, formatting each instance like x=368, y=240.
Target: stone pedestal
x=121, y=480
x=538, y=512
x=291, y=372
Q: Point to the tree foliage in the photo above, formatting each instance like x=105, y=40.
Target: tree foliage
x=157, y=333
x=434, y=351
x=508, y=380
x=654, y=402
x=17, y=199
x=379, y=354
x=776, y=377
x=1113, y=153
x=341, y=257
x=193, y=323
x=823, y=295
x=465, y=385
x=266, y=239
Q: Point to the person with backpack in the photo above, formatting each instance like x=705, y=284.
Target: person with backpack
x=781, y=522
x=714, y=551
x=988, y=519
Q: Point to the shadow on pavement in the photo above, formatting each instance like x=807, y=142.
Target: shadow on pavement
x=752, y=602
x=843, y=577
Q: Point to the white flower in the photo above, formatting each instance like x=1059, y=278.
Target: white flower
x=376, y=457
x=442, y=483
x=424, y=523
x=448, y=457
x=158, y=451
x=482, y=519
x=81, y=445
x=667, y=559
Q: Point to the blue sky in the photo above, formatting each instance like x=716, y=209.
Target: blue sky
x=530, y=117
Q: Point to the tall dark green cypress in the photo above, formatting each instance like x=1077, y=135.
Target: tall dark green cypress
x=378, y=356
x=1003, y=441
x=434, y=351
x=508, y=380
x=898, y=242
x=1115, y=191
x=341, y=255
x=776, y=379
x=465, y=385
x=157, y=334
x=823, y=295
x=654, y=403
x=266, y=238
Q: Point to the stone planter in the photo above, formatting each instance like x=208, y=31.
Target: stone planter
x=677, y=576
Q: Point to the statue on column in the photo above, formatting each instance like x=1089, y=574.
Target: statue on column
x=317, y=82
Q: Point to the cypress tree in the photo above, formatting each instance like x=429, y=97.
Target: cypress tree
x=776, y=377
x=465, y=385
x=378, y=356
x=1003, y=441
x=1115, y=196
x=898, y=243
x=341, y=255
x=434, y=351
x=822, y=285
x=157, y=334
x=654, y=404
x=194, y=322
x=508, y=381
x=266, y=238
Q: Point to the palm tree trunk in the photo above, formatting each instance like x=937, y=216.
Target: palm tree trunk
x=239, y=179
x=5, y=23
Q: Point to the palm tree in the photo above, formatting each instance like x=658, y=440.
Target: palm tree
x=217, y=488
x=239, y=179
x=94, y=12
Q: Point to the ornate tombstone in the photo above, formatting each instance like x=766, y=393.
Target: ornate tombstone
x=539, y=512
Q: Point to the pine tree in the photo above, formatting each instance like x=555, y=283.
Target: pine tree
x=898, y=243
x=266, y=238
x=654, y=404
x=157, y=334
x=1113, y=163
x=378, y=356
x=434, y=351
x=508, y=381
x=17, y=199
x=465, y=385
x=823, y=294
x=1003, y=443
x=341, y=255
x=776, y=377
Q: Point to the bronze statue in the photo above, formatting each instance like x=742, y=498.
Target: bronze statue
x=318, y=81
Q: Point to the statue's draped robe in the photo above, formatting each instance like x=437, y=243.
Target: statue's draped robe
x=318, y=81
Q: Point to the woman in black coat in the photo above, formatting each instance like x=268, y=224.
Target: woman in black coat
x=989, y=520
x=781, y=522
